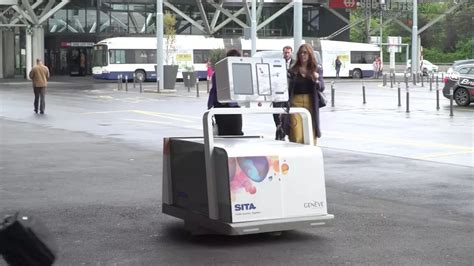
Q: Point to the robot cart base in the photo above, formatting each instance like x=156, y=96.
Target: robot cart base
x=197, y=223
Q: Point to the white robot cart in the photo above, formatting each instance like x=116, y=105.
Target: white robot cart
x=244, y=184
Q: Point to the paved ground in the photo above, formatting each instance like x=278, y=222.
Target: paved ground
x=100, y=195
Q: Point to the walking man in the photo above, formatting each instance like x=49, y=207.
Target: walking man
x=39, y=75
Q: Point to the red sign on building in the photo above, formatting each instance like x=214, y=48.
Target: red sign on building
x=343, y=4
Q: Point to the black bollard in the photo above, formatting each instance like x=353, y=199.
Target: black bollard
x=437, y=97
x=384, y=79
x=431, y=82
x=363, y=94
x=197, y=87
x=451, y=100
x=399, y=95
x=333, y=94
x=134, y=78
x=414, y=78
x=436, y=80
x=118, y=82
x=406, y=79
x=189, y=87
x=408, y=100
x=140, y=83
x=126, y=83
x=392, y=79
x=422, y=79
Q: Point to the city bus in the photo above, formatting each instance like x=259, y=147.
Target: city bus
x=356, y=58
x=136, y=56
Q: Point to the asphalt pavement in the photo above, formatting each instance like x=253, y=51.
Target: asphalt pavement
x=99, y=192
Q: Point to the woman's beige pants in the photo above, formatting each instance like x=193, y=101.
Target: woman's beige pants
x=296, y=122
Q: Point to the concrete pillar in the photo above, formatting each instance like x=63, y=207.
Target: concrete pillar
x=28, y=51
x=34, y=46
x=37, y=42
x=298, y=25
x=1, y=54
x=8, y=48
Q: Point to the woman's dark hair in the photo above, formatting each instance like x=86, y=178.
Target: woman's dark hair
x=233, y=52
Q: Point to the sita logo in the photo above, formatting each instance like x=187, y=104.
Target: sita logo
x=244, y=207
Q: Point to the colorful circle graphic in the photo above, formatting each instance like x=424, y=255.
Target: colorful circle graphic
x=256, y=168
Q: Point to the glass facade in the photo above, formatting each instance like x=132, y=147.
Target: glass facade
x=71, y=32
x=111, y=18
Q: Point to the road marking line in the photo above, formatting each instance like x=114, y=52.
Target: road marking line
x=163, y=123
x=337, y=135
x=167, y=116
x=148, y=121
x=436, y=155
x=105, y=112
x=150, y=113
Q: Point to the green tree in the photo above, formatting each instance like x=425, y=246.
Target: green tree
x=216, y=55
x=169, y=30
x=447, y=40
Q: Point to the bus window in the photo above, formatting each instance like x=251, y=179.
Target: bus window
x=140, y=56
x=363, y=57
x=200, y=56
x=99, y=56
x=117, y=56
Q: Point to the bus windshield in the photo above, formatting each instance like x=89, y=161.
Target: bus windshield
x=100, y=55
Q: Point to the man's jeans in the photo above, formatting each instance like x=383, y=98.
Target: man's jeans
x=40, y=93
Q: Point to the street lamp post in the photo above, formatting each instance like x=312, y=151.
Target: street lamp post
x=382, y=3
x=159, y=44
x=414, y=40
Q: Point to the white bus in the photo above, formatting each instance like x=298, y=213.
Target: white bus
x=356, y=58
x=127, y=56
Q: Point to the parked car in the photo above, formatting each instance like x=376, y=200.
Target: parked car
x=461, y=80
x=458, y=63
x=426, y=66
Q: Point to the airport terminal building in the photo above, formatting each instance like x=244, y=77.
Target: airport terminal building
x=66, y=29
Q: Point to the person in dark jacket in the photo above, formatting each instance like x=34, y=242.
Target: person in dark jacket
x=338, y=64
x=306, y=78
x=289, y=61
x=226, y=124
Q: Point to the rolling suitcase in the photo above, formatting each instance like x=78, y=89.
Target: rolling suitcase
x=25, y=241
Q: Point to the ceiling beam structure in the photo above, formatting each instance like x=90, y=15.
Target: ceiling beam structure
x=213, y=27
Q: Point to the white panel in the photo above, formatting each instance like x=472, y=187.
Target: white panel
x=1, y=54
x=274, y=179
x=8, y=2
x=237, y=79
